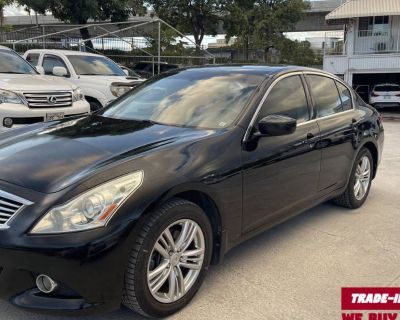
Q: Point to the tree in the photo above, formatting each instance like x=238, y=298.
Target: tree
x=262, y=23
x=297, y=53
x=3, y=4
x=80, y=11
x=197, y=17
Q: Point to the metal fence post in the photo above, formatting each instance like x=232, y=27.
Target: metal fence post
x=159, y=47
x=44, y=39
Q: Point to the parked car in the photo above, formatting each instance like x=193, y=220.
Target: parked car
x=93, y=73
x=385, y=95
x=26, y=97
x=147, y=69
x=134, y=203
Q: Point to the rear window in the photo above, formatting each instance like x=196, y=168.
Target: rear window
x=387, y=88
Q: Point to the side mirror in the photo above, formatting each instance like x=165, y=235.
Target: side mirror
x=60, y=71
x=277, y=125
x=40, y=69
x=126, y=72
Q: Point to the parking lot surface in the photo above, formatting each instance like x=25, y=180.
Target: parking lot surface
x=296, y=270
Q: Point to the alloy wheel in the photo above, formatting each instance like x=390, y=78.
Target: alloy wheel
x=362, y=178
x=176, y=261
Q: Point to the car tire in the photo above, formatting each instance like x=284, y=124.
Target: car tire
x=351, y=198
x=145, y=260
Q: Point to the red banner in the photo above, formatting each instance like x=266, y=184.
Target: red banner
x=370, y=298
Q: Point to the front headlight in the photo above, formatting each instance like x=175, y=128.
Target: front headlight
x=118, y=91
x=77, y=95
x=10, y=97
x=91, y=209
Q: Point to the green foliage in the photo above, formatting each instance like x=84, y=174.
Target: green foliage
x=262, y=23
x=80, y=11
x=197, y=17
x=4, y=3
x=297, y=53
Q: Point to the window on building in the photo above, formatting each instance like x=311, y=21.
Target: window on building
x=373, y=26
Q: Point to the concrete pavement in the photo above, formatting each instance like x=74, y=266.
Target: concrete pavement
x=296, y=270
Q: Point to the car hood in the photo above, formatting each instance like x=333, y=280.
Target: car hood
x=32, y=82
x=50, y=157
x=107, y=80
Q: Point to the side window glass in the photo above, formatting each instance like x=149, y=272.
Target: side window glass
x=287, y=98
x=326, y=95
x=49, y=62
x=345, y=96
x=33, y=59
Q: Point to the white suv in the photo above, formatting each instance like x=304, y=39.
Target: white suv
x=100, y=78
x=385, y=95
x=26, y=97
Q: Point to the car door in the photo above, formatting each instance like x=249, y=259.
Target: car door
x=337, y=120
x=281, y=173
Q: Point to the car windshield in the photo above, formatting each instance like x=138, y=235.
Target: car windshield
x=12, y=63
x=192, y=98
x=386, y=88
x=95, y=66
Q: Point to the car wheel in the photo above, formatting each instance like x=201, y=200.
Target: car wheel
x=360, y=182
x=94, y=106
x=169, y=259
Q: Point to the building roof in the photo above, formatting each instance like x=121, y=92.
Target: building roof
x=365, y=8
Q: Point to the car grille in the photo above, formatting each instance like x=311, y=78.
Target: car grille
x=9, y=206
x=48, y=99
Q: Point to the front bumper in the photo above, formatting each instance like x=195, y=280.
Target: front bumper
x=89, y=274
x=23, y=115
x=88, y=266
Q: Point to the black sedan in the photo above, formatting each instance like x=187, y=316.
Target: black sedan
x=132, y=204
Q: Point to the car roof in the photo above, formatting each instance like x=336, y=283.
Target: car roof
x=252, y=69
x=66, y=52
x=5, y=48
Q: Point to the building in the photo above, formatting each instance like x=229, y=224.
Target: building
x=221, y=43
x=319, y=44
x=370, y=51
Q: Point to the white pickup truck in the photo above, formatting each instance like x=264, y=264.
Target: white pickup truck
x=27, y=97
x=100, y=78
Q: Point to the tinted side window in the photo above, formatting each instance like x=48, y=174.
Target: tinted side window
x=345, y=95
x=287, y=98
x=49, y=62
x=33, y=59
x=326, y=95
